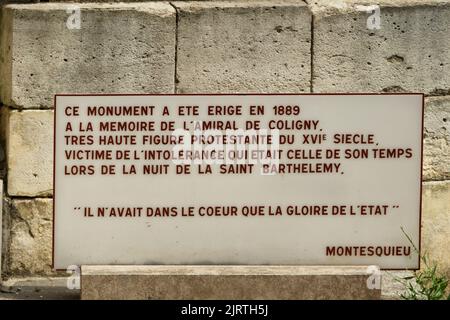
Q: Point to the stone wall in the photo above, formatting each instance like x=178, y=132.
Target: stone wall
x=205, y=46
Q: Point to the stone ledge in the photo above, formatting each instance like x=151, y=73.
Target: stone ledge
x=323, y=8
x=225, y=282
x=55, y=288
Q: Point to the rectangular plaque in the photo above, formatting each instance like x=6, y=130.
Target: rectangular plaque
x=294, y=179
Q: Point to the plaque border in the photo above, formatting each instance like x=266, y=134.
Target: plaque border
x=247, y=94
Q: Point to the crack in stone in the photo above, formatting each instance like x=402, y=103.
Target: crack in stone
x=395, y=58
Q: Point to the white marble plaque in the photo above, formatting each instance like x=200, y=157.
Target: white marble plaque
x=238, y=179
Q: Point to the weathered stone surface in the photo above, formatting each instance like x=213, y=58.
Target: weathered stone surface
x=243, y=47
x=119, y=48
x=436, y=165
x=225, y=282
x=391, y=287
x=408, y=53
x=436, y=223
x=30, y=153
x=1, y=229
x=30, y=250
x=5, y=54
x=4, y=115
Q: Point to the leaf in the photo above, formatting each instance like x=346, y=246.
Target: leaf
x=427, y=283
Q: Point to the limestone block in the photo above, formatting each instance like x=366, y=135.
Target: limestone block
x=247, y=46
x=409, y=51
x=118, y=48
x=30, y=250
x=436, y=223
x=5, y=54
x=225, y=282
x=30, y=153
x=436, y=164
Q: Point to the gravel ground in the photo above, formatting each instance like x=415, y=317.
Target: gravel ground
x=37, y=289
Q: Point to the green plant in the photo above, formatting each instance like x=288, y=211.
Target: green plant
x=427, y=283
